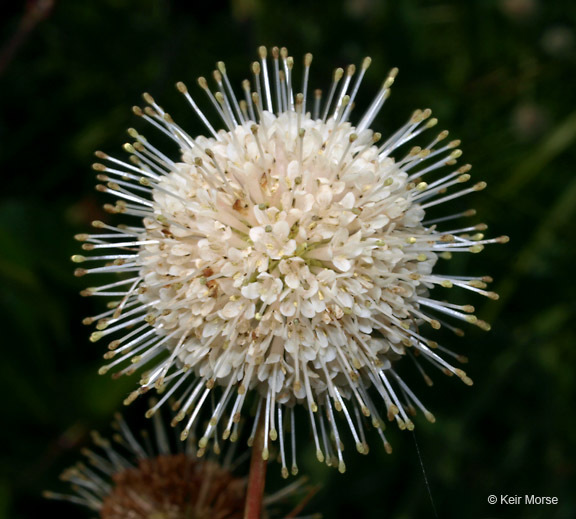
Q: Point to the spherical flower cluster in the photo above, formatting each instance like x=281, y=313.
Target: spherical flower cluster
x=285, y=256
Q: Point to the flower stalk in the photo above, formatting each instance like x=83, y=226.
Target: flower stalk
x=257, y=476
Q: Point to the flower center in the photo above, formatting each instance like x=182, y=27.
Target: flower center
x=280, y=255
x=174, y=487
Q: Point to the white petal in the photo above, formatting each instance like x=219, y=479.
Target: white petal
x=287, y=308
x=231, y=310
x=251, y=291
x=341, y=263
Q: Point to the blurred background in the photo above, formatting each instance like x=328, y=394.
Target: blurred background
x=499, y=74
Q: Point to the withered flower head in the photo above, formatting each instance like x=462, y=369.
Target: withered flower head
x=126, y=479
x=155, y=476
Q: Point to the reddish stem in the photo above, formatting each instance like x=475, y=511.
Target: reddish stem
x=257, y=476
x=311, y=493
x=36, y=11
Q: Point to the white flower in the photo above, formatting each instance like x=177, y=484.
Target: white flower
x=285, y=256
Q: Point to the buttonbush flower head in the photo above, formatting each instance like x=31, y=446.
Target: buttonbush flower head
x=132, y=477
x=285, y=257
